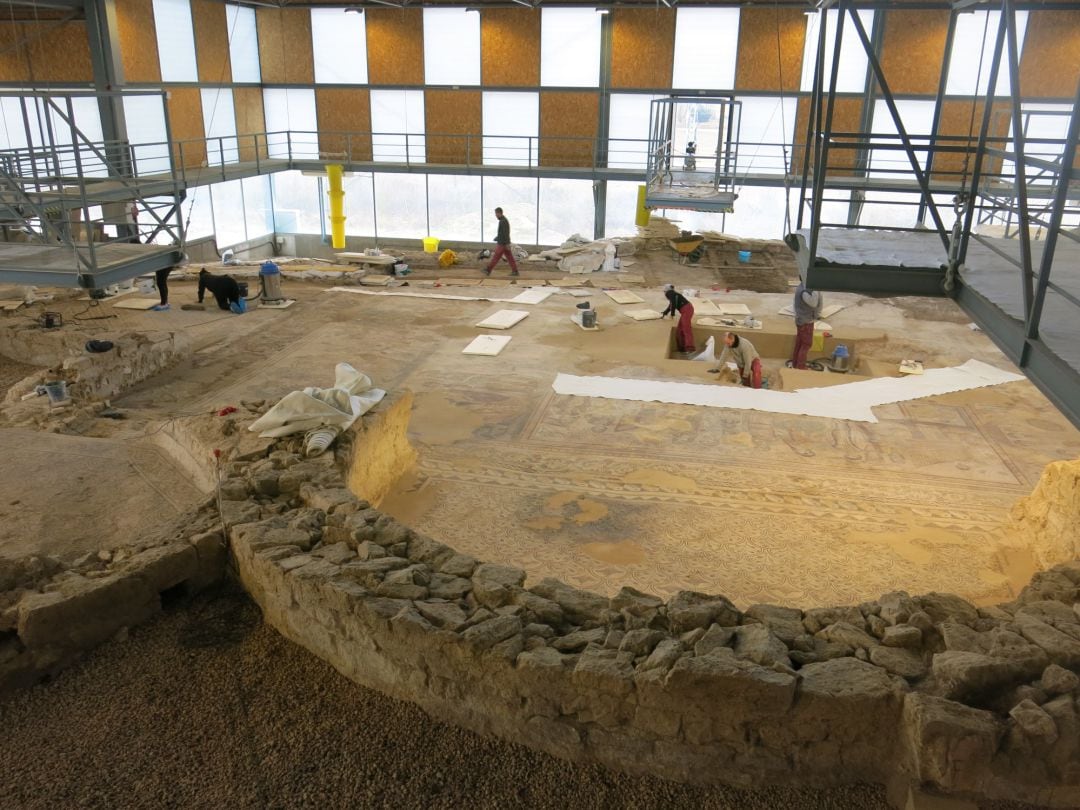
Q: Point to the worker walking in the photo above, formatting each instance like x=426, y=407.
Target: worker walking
x=742, y=352
x=684, y=332
x=502, y=246
x=224, y=289
x=807, y=306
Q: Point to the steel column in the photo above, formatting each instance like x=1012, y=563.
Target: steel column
x=824, y=136
x=1019, y=138
x=603, y=125
x=862, y=155
x=939, y=100
x=813, y=118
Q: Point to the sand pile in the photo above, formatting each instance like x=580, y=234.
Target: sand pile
x=1049, y=518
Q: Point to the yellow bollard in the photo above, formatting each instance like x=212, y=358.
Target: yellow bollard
x=641, y=219
x=337, y=206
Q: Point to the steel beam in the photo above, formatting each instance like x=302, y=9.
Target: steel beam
x=862, y=155
x=603, y=125
x=1020, y=167
x=939, y=101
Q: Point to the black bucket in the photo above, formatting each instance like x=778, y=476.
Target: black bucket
x=243, y=288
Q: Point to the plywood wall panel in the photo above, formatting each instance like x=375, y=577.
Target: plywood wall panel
x=642, y=47
x=250, y=120
x=568, y=115
x=211, y=40
x=186, y=123
x=846, y=118
x=45, y=52
x=510, y=47
x=395, y=46
x=14, y=64
x=913, y=49
x=761, y=60
x=285, y=54
x=454, y=122
x=138, y=41
x=1050, y=62
x=342, y=113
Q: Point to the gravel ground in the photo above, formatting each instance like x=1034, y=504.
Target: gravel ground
x=209, y=707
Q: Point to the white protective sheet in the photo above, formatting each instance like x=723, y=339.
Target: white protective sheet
x=487, y=345
x=826, y=311
x=852, y=401
x=503, y=319
x=532, y=295
x=351, y=397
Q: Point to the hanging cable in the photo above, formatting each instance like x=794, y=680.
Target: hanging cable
x=783, y=123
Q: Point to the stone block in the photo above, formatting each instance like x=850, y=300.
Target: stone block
x=579, y=639
x=85, y=612
x=458, y=565
x=1057, y=680
x=635, y=602
x=664, y=655
x=1033, y=721
x=847, y=634
x=326, y=499
x=748, y=689
x=545, y=611
x=785, y=623
x=496, y=585
x=688, y=610
x=578, y=605
x=905, y=663
x=444, y=586
x=902, y=635
x=941, y=607
x=713, y=638
x=164, y=566
x=818, y=619
x=1060, y=647
x=641, y=642
x=442, y=614
x=756, y=642
x=974, y=677
x=488, y=633
x=950, y=746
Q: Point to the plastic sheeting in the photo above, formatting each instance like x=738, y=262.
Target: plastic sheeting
x=351, y=397
x=851, y=401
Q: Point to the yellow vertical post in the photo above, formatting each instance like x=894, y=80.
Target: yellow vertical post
x=641, y=219
x=337, y=206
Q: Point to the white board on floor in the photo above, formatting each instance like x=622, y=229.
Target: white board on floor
x=642, y=314
x=487, y=345
x=624, y=297
x=703, y=306
x=732, y=309
x=504, y=319
x=826, y=312
x=137, y=303
x=533, y=295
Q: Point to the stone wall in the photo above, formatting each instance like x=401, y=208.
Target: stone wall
x=380, y=452
x=1048, y=520
x=929, y=690
x=52, y=613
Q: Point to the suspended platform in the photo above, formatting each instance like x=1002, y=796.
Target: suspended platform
x=58, y=266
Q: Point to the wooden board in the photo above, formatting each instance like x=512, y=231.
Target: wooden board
x=458, y=282
x=211, y=41
x=643, y=47
x=630, y=278
x=533, y=295
x=568, y=115
x=643, y=314
x=137, y=303
x=568, y=282
x=496, y=282
x=186, y=118
x=12, y=304
x=703, y=306
x=344, y=110
x=503, y=319
x=913, y=49
x=847, y=117
x=757, y=67
x=395, y=46
x=450, y=115
x=248, y=106
x=138, y=41
x=624, y=297
x=285, y=49
x=56, y=53
x=1050, y=61
x=363, y=258
x=487, y=345
x=509, y=47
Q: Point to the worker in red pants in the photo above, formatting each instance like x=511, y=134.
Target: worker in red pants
x=684, y=333
x=502, y=246
x=807, y=306
x=742, y=352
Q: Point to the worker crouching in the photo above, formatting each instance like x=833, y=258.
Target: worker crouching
x=742, y=353
x=225, y=291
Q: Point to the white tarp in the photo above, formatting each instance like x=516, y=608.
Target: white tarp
x=530, y=295
x=851, y=401
x=351, y=397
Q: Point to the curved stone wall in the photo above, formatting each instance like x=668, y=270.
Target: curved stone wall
x=978, y=702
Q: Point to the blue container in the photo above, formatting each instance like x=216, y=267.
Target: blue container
x=840, y=351
x=269, y=269
x=744, y=256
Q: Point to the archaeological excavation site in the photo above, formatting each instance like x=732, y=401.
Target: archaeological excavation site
x=641, y=404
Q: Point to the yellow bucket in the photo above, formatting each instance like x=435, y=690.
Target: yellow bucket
x=431, y=245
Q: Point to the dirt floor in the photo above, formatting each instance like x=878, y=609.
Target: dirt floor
x=758, y=506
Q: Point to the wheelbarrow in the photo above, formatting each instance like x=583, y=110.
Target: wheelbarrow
x=685, y=245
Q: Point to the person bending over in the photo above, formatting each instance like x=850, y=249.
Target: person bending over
x=684, y=333
x=224, y=289
x=741, y=352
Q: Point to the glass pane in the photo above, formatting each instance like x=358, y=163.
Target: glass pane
x=566, y=208
x=759, y=214
x=570, y=47
x=87, y=120
x=228, y=213
x=359, y=205
x=973, y=50
x=706, y=45
x=851, y=77
x=918, y=119
x=401, y=206
x=291, y=122
x=621, y=209
x=397, y=125
x=451, y=46
x=296, y=203
x=339, y=43
x=891, y=209
x=517, y=197
x=628, y=130
x=198, y=214
x=175, y=41
x=766, y=129
x=515, y=118
x=145, y=117
x=454, y=207
x=243, y=44
x=257, y=208
x=219, y=123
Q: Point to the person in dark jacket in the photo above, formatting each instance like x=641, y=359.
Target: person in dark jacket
x=224, y=289
x=684, y=333
x=502, y=246
x=807, y=306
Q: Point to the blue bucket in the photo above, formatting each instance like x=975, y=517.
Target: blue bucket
x=744, y=256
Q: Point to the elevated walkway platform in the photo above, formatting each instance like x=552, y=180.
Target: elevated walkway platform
x=59, y=266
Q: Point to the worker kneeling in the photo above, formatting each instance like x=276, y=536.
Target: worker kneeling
x=225, y=291
x=742, y=353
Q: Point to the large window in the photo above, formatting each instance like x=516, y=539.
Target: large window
x=175, y=41
x=566, y=208
x=145, y=118
x=198, y=214
x=706, y=45
x=454, y=207
x=219, y=124
x=339, y=43
x=628, y=130
x=359, y=204
x=291, y=122
x=511, y=128
x=296, y=203
x=570, y=47
x=918, y=120
x=229, y=226
x=620, y=208
x=401, y=206
x=243, y=44
x=517, y=197
x=973, y=51
x=766, y=130
x=258, y=210
x=451, y=46
x=851, y=77
x=397, y=125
